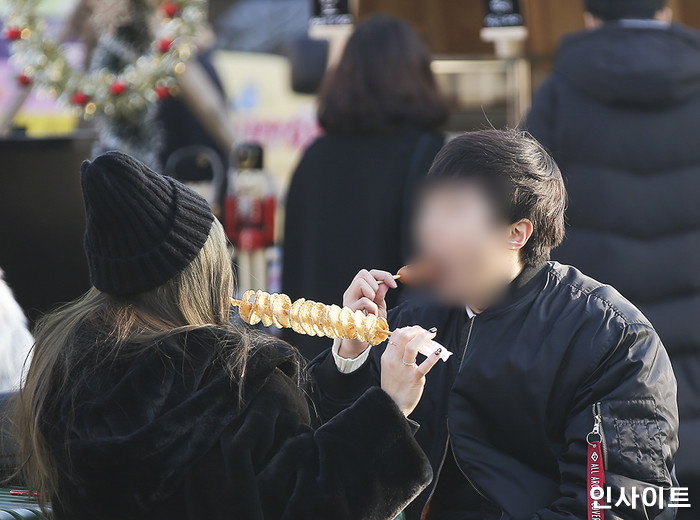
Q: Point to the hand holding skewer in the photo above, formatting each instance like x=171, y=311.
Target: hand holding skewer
x=362, y=319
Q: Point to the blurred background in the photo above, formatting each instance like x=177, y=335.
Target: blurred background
x=310, y=151
x=269, y=57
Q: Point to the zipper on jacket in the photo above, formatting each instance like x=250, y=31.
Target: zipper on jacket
x=448, y=445
x=467, y=478
x=449, y=448
x=600, y=432
x=437, y=479
x=466, y=343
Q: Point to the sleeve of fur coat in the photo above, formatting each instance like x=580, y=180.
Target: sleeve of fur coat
x=364, y=464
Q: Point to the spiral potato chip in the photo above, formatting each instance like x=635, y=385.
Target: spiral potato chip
x=311, y=318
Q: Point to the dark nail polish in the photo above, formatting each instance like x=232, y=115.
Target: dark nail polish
x=434, y=329
x=438, y=352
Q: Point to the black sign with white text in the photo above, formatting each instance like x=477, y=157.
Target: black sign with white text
x=503, y=13
x=331, y=12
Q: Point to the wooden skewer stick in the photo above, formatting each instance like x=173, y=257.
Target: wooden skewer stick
x=396, y=277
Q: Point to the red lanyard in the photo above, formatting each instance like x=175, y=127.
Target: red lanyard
x=595, y=471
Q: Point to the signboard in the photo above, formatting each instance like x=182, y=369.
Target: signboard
x=503, y=13
x=331, y=12
x=265, y=110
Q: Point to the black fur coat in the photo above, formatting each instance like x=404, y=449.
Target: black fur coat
x=162, y=437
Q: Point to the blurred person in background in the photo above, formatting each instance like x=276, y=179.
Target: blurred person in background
x=191, y=118
x=350, y=198
x=621, y=114
x=184, y=130
x=15, y=339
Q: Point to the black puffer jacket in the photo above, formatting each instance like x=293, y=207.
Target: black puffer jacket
x=514, y=419
x=162, y=436
x=621, y=114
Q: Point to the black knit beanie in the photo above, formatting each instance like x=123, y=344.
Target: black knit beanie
x=624, y=9
x=142, y=228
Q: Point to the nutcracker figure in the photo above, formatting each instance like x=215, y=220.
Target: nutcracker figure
x=251, y=204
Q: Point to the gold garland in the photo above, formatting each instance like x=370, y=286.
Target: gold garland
x=43, y=62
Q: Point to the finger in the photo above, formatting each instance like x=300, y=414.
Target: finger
x=411, y=353
x=400, y=338
x=353, y=291
x=396, y=343
x=365, y=289
x=367, y=277
x=405, y=334
x=393, y=351
x=381, y=292
x=429, y=362
x=360, y=288
x=365, y=304
x=385, y=277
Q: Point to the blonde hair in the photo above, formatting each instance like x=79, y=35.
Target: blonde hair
x=197, y=297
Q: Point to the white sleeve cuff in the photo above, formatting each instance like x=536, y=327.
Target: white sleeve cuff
x=345, y=365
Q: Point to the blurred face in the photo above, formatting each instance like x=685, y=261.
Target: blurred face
x=466, y=241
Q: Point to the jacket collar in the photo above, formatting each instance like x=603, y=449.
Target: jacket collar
x=521, y=290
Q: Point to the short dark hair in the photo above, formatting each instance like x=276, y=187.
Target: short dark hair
x=518, y=173
x=624, y=9
x=383, y=81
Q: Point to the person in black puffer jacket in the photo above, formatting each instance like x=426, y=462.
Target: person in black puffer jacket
x=621, y=115
x=545, y=358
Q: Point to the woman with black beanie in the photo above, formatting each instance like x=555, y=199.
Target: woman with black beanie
x=143, y=401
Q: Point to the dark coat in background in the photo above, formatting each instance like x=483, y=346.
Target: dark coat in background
x=621, y=114
x=349, y=207
x=162, y=436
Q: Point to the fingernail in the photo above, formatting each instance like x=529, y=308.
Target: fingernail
x=438, y=352
x=433, y=330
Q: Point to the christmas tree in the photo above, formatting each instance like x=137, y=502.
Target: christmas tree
x=136, y=132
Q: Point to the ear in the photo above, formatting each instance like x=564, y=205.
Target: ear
x=519, y=234
x=664, y=15
x=591, y=21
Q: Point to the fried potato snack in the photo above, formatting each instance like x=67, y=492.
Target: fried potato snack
x=311, y=318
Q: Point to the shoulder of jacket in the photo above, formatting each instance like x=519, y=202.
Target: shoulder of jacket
x=606, y=299
x=686, y=32
x=285, y=393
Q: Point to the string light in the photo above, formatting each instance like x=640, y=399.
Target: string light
x=43, y=63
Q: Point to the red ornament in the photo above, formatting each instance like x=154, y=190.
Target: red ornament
x=24, y=80
x=170, y=9
x=80, y=98
x=164, y=45
x=13, y=33
x=117, y=88
x=162, y=92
